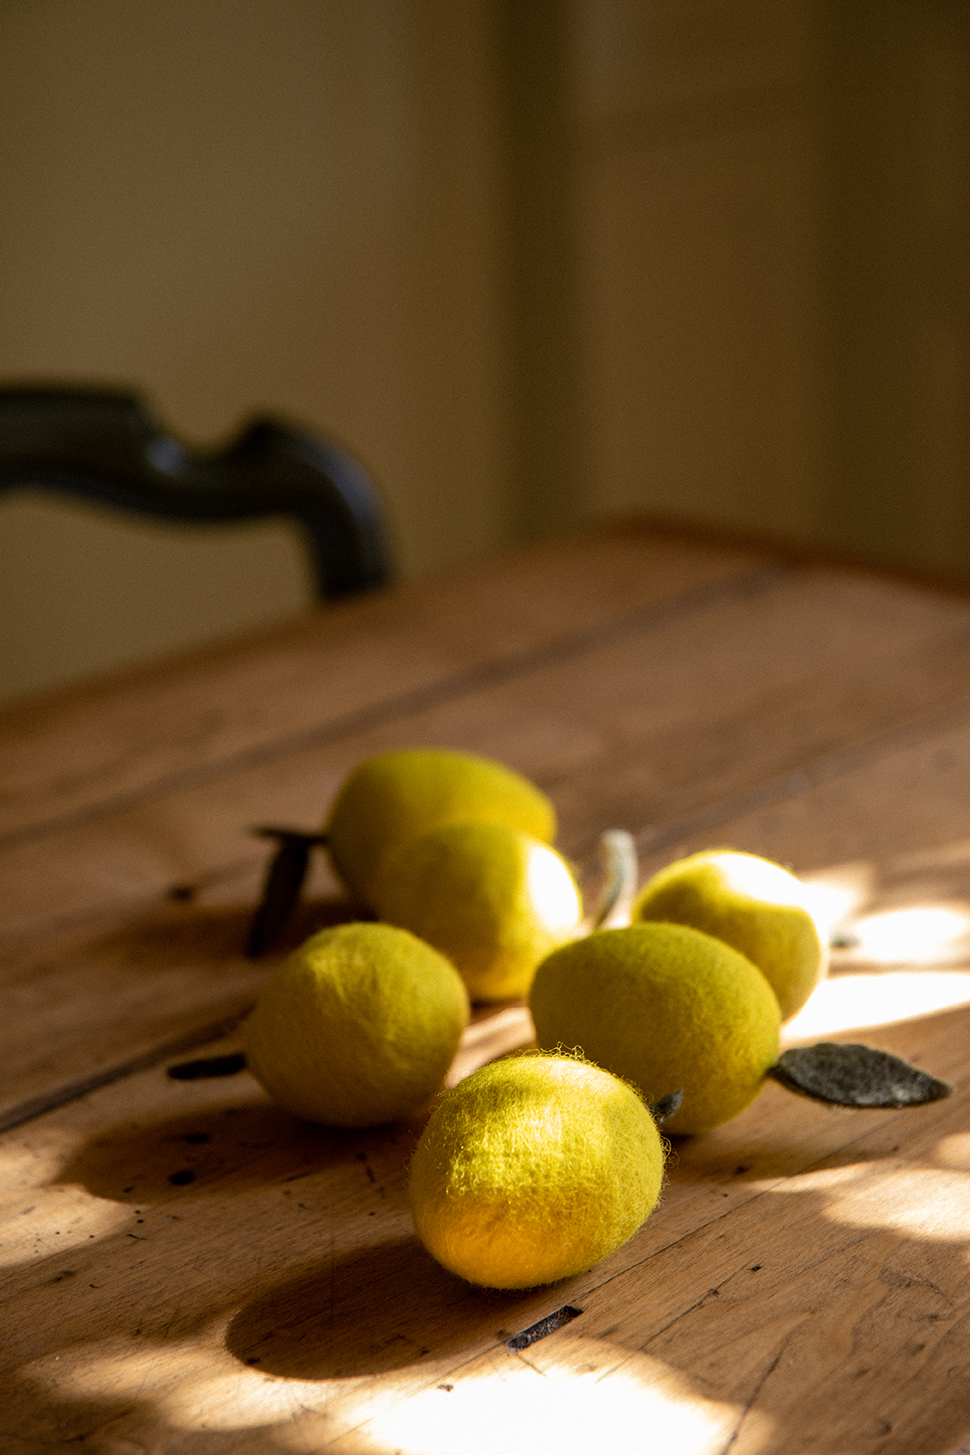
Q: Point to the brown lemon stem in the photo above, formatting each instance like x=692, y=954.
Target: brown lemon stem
x=620, y=854
x=281, y=890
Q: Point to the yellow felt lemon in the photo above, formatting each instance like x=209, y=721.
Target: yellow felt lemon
x=532, y=1169
x=667, y=1008
x=397, y=796
x=357, y=1027
x=493, y=899
x=752, y=904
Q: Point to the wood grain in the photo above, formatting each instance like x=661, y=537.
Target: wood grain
x=147, y=731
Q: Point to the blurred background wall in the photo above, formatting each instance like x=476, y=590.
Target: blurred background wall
x=534, y=263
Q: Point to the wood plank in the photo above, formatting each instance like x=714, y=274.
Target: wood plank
x=900, y=820
x=100, y=966
x=144, y=731
x=280, y=1295
x=643, y=730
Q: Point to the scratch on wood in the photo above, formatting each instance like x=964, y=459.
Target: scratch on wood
x=907, y=1278
x=692, y=1308
x=208, y=1066
x=754, y=1395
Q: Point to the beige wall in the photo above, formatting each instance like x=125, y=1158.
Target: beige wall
x=774, y=202
x=700, y=212
x=239, y=205
x=897, y=139
x=533, y=262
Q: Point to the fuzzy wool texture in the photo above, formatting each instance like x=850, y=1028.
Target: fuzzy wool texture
x=533, y=1169
x=357, y=1027
x=664, y=1007
x=395, y=797
x=781, y=939
x=493, y=899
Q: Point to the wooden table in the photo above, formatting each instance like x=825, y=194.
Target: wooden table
x=187, y=1269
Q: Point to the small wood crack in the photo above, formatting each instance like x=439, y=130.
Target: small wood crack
x=750, y=1403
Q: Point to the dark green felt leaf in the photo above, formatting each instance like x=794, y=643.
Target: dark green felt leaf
x=856, y=1076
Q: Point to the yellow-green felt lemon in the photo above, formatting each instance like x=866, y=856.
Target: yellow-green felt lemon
x=493, y=899
x=533, y=1169
x=397, y=796
x=357, y=1027
x=667, y=1008
x=752, y=904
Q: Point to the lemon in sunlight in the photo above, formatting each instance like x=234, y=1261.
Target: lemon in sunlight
x=357, y=1027
x=532, y=1169
x=397, y=796
x=668, y=1008
x=752, y=904
x=493, y=899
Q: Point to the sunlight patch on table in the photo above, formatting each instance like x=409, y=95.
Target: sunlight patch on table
x=920, y=934
x=954, y=1150
x=923, y=1202
x=860, y=1002
x=34, y=1154
x=510, y=1406
x=926, y=1203
x=184, y=1387
x=47, y=1221
x=834, y=895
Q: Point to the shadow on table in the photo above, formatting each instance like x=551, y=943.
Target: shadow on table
x=383, y=1309
x=187, y=927
x=229, y=1148
x=855, y=1292
x=373, y=1310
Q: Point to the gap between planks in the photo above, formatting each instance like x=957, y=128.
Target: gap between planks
x=794, y=783
x=483, y=675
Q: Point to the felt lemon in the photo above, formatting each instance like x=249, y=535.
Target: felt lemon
x=357, y=1027
x=667, y=1008
x=532, y=1169
x=395, y=797
x=493, y=899
x=753, y=904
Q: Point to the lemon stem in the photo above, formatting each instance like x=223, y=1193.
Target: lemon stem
x=281, y=889
x=620, y=856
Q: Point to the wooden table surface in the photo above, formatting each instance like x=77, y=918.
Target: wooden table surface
x=188, y=1270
